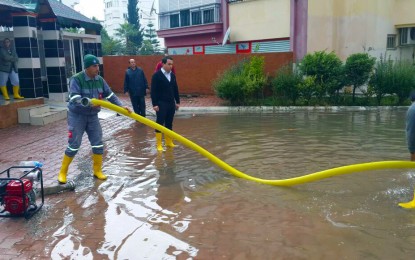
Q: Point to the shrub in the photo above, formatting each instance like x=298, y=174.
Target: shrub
x=358, y=69
x=327, y=69
x=307, y=88
x=382, y=78
x=255, y=79
x=228, y=85
x=403, y=80
x=242, y=82
x=286, y=83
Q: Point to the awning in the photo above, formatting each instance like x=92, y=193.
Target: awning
x=408, y=25
x=11, y=5
x=66, y=16
x=7, y=7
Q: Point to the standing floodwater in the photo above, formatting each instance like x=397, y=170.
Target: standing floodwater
x=179, y=205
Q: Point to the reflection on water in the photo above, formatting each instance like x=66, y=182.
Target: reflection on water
x=177, y=204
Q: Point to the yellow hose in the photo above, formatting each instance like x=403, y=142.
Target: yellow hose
x=286, y=182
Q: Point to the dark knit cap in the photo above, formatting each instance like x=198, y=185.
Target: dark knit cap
x=90, y=60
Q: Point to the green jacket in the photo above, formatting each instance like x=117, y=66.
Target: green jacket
x=8, y=60
x=81, y=85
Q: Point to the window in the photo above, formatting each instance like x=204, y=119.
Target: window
x=164, y=21
x=390, y=43
x=403, y=36
x=208, y=16
x=125, y=16
x=198, y=15
x=185, y=18
x=174, y=20
x=196, y=18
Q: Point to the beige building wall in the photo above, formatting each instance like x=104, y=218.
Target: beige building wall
x=259, y=20
x=403, y=13
x=354, y=26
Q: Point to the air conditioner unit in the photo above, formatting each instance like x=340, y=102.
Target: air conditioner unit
x=407, y=36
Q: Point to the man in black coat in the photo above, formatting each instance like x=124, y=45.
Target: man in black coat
x=135, y=84
x=165, y=99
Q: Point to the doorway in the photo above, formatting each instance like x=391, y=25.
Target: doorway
x=73, y=58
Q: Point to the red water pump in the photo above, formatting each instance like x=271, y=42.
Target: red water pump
x=18, y=195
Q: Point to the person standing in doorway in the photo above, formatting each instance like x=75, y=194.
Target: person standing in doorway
x=135, y=84
x=165, y=99
x=81, y=119
x=8, y=70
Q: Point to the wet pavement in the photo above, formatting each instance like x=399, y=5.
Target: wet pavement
x=47, y=145
x=167, y=206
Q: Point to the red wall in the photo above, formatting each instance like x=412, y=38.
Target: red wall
x=195, y=73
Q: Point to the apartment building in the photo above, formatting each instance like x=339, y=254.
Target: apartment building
x=115, y=14
x=380, y=28
x=224, y=26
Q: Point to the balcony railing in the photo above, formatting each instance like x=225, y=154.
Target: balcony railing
x=200, y=15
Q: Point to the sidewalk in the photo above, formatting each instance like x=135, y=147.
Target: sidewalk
x=47, y=143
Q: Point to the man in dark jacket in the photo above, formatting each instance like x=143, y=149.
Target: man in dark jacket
x=135, y=84
x=165, y=99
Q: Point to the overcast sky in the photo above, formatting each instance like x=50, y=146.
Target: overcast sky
x=91, y=8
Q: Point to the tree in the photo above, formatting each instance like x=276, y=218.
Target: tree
x=147, y=48
x=151, y=36
x=135, y=36
x=110, y=46
x=74, y=30
x=126, y=32
x=358, y=69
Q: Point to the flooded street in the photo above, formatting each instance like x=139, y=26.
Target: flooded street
x=179, y=205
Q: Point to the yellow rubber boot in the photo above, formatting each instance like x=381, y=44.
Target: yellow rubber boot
x=159, y=136
x=408, y=205
x=4, y=92
x=64, y=169
x=16, y=90
x=97, y=166
x=169, y=141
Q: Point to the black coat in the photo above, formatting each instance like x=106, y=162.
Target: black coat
x=135, y=82
x=162, y=90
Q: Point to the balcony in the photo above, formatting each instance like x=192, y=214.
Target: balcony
x=195, y=16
